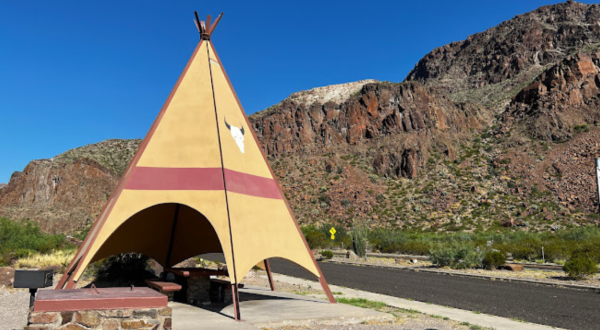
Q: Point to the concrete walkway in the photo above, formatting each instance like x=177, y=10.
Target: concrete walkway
x=489, y=321
x=261, y=308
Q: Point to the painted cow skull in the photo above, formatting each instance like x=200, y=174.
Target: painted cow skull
x=237, y=133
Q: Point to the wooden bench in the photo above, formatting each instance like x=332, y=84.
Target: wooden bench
x=166, y=288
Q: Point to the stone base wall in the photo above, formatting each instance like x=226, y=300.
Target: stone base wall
x=198, y=290
x=108, y=319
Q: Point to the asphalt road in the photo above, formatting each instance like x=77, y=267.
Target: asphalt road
x=558, y=307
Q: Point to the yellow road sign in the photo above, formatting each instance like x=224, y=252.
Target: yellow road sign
x=332, y=236
x=332, y=231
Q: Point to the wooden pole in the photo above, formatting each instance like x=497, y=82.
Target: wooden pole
x=269, y=275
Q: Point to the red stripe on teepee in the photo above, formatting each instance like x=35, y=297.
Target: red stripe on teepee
x=166, y=178
x=248, y=184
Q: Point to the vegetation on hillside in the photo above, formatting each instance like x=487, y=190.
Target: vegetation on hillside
x=21, y=239
x=113, y=154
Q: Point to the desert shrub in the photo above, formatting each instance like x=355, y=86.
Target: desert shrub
x=493, y=259
x=20, y=239
x=359, y=239
x=580, y=265
x=387, y=241
x=58, y=260
x=327, y=254
x=314, y=237
x=414, y=247
x=456, y=256
x=123, y=269
x=527, y=249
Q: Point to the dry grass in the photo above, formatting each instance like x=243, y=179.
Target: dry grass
x=59, y=258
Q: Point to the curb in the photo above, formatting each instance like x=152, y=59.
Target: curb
x=483, y=277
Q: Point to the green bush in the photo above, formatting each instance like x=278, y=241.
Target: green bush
x=22, y=239
x=359, y=239
x=315, y=239
x=456, y=256
x=493, y=259
x=580, y=265
x=123, y=269
x=327, y=254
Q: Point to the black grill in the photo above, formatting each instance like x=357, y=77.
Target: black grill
x=33, y=279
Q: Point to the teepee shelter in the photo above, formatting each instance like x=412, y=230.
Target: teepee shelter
x=199, y=183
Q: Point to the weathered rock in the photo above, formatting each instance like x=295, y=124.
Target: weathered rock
x=135, y=324
x=71, y=326
x=43, y=318
x=512, y=267
x=351, y=255
x=116, y=313
x=7, y=277
x=111, y=324
x=143, y=313
x=37, y=327
x=513, y=50
x=558, y=103
x=66, y=317
x=89, y=319
x=167, y=311
x=379, y=109
x=168, y=324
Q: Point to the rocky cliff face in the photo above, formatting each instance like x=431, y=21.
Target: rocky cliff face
x=66, y=193
x=560, y=101
x=495, y=63
x=376, y=111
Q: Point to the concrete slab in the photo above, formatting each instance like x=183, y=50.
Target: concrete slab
x=188, y=317
x=262, y=308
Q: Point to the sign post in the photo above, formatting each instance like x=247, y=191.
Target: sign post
x=598, y=177
x=332, y=231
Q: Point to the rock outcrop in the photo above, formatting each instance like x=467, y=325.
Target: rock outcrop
x=377, y=110
x=67, y=192
x=561, y=101
x=513, y=51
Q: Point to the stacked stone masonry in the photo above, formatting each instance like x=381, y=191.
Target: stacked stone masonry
x=109, y=319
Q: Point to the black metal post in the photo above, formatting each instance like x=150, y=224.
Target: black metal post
x=32, y=293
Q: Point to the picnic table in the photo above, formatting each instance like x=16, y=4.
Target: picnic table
x=197, y=284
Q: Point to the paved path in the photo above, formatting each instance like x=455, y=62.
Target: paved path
x=564, y=308
x=260, y=308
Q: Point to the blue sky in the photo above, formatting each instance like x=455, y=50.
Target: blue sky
x=79, y=72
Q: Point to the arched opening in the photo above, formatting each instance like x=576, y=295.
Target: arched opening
x=168, y=233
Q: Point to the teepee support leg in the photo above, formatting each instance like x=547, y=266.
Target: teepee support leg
x=326, y=289
x=269, y=275
x=236, y=301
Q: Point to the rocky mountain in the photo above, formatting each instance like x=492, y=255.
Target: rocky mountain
x=496, y=130
x=493, y=65
x=65, y=194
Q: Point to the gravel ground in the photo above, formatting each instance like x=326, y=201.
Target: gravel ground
x=547, y=276
x=405, y=319
x=14, y=305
